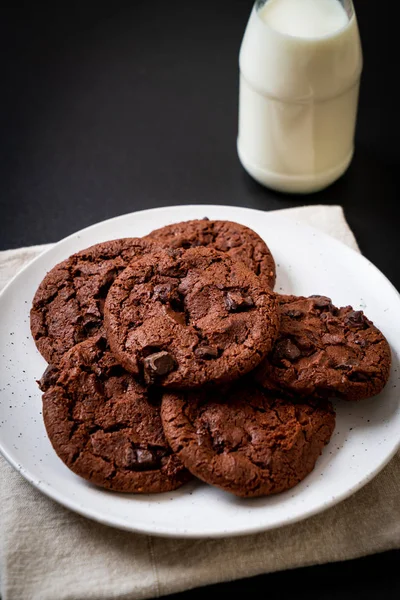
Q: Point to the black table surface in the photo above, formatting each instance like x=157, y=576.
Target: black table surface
x=112, y=107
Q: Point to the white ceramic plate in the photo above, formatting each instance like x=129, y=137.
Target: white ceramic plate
x=308, y=262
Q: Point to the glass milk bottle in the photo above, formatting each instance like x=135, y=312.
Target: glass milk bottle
x=300, y=67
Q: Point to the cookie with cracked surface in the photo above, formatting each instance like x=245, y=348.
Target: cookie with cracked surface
x=240, y=242
x=186, y=318
x=325, y=351
x=68, y=305
x=105, y=426
x=245, y=441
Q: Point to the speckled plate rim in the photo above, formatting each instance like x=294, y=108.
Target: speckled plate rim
x=303, y=255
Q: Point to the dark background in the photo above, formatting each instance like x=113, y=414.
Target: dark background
x=111, y=107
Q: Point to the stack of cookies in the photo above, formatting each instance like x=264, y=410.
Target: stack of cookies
x=170, y=356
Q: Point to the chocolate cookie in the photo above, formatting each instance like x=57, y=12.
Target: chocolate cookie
x=68, y=305
x=185, y=318
x=105, y=426
x=238, y=241
x=245, y=441
x=325, y=351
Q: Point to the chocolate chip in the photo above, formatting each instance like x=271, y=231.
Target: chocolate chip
x=205, y=219
x=164, y=292
x=206, y=352
x=157, y=365
x=358, y=377
x=321, y=301
x=347, y=364
x=361, y=342
x=140, y=459
x=146, y=459
x=355, y=318
x=129, y=459
x=294, y=313
x=235, y=301
x=287, y=349
x=332, y=339
x=49, y=378
x=328, y=317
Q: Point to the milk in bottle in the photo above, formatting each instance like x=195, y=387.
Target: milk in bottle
x=300, y=66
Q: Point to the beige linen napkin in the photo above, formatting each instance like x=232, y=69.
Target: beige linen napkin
x=49, y=553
